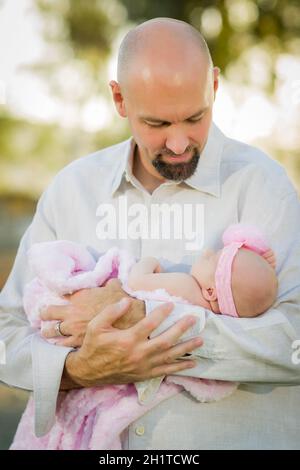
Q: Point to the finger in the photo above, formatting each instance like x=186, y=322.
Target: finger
x=270, y=257
x=172, y=335
x=49, y=331
x=54, y=312
x=178, y=351
x=70, y=342
x=111, y=313
x=114, y=282
x=146, y=326
x=269, y=254
x=172, y=368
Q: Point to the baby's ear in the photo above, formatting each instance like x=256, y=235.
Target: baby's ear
x=210, y=294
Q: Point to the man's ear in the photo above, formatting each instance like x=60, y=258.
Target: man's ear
x=216, y=73
x=210, y=294
x=118, y=98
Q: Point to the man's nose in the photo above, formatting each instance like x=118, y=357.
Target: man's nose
x=177, y=142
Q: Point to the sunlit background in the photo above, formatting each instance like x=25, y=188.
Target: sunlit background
x=56, y=58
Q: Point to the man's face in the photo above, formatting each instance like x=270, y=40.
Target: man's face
x=170, y=121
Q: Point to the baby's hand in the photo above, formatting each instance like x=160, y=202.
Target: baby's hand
x=150, y=265
x=147, y=265
x=270, y=257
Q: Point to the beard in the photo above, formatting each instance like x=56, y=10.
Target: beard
x=176, y=171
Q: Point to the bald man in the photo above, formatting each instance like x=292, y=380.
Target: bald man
x=176, y=157
x=165, y=76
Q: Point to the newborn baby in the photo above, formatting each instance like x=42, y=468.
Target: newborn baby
x=239, y=280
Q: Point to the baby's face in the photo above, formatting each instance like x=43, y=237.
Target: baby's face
x=205, y=266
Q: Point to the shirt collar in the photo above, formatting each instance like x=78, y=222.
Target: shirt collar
x=125, y=154
x=206, y=177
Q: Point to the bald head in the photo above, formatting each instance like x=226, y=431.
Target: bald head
x=166, y=89
x=163, y=45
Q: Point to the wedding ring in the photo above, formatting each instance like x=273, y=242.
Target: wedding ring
x=58, y=330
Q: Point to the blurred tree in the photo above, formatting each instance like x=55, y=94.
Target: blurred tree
x=80, y=37
x=86, y=29
x=31, y=153
x=83, y=30
x=231, y=26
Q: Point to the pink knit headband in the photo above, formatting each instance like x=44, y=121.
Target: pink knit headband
x=235, y=237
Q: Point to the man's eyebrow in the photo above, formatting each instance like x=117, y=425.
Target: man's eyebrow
x=153, y=119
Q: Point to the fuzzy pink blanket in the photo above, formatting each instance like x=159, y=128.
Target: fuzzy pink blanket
x=93, y=418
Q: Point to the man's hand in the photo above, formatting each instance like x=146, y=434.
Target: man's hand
x=112, y=356
x=84, y=305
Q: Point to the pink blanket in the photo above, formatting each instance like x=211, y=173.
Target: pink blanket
x=93, y=418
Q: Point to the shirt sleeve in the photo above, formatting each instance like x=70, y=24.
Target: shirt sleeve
x=260, y=349
x=30, y=362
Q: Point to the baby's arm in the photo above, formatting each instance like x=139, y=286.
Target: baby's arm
x=147, y=265
x=146, y=275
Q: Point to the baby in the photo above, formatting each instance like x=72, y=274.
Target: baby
x=239, y=280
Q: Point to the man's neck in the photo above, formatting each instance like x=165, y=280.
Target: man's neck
x=147, y=180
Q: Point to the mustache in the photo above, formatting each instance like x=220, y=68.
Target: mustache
x=169, y=152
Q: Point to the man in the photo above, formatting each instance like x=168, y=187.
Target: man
x=166, y=88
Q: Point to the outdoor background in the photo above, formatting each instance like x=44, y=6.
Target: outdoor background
x=56, y=59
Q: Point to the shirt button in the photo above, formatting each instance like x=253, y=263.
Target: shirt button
x=139, y=430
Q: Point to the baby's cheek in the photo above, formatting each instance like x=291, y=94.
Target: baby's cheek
x=199, y=272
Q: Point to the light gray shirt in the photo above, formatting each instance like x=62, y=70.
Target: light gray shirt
x=233, y=183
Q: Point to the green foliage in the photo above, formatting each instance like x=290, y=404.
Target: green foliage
x=87, y=27
x=31, y=154
x=80, y=36
x=230, y=26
